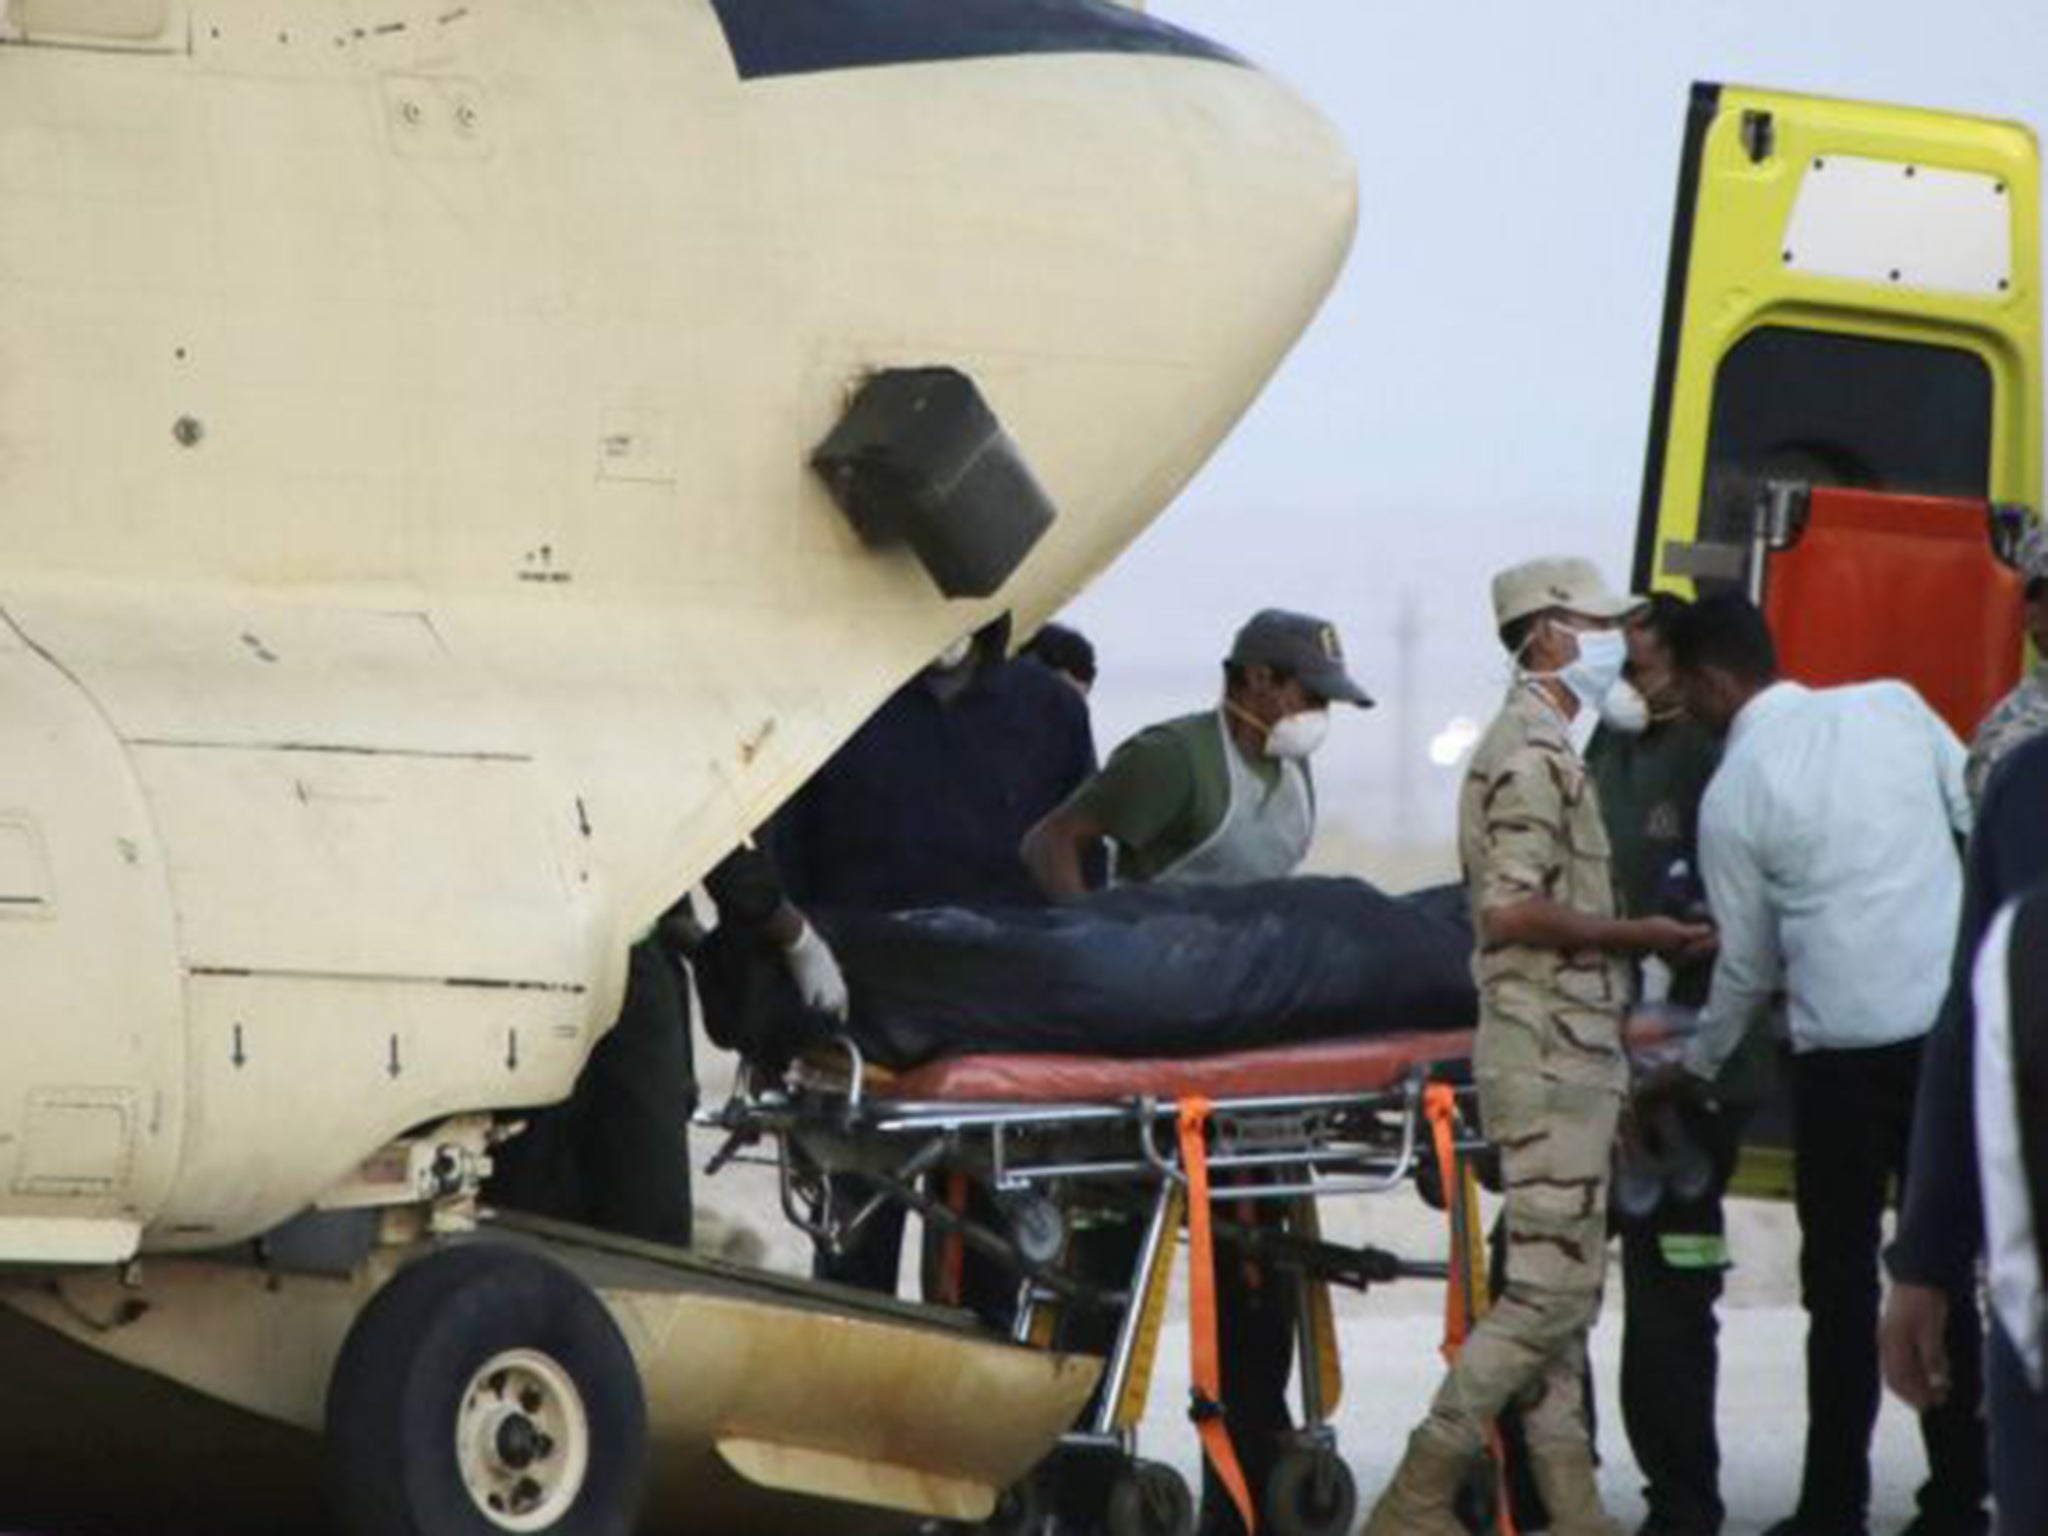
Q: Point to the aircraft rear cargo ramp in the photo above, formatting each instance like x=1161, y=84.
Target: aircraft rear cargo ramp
x=772, y=1403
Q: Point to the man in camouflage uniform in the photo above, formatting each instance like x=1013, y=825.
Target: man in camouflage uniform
x=1550, y=963
x=2024, y=711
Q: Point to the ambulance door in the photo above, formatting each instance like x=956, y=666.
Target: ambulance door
x=1848, y=398
x=1847, y=415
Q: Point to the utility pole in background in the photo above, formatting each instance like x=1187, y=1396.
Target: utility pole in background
x=1406, y=744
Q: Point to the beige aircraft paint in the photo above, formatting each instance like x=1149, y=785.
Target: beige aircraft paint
x=748, y=1388
x=413, y=575
x=414, y=578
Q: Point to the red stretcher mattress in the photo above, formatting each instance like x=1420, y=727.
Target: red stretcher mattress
x=1326, y=1066
x=1369, y=1065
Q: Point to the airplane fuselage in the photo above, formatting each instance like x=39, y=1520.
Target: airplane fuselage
x=414, y=574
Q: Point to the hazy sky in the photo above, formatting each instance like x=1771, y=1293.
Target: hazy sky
x=1477, y=389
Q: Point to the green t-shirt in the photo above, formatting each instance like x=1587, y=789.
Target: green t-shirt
x=1164, y=793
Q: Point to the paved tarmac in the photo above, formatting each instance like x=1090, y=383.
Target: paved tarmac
x=1393, y=1368
x=1390, y=1354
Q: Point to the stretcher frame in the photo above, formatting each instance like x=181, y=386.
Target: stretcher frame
x=831, y=1114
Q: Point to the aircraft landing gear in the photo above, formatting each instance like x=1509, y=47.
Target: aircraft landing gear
x=1021, y=1509
x=485, y=1389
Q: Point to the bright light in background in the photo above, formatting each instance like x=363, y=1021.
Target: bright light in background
x=1447, y=748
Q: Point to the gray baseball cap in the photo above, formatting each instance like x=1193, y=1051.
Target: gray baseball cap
x=1303, y=646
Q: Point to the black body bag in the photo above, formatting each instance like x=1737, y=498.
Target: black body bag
x=1136, y=971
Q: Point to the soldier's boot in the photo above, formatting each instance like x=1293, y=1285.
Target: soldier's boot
x=1564, y=1476
x=1420, y=1500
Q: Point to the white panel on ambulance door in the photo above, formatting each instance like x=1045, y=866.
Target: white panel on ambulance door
x=1894, y=223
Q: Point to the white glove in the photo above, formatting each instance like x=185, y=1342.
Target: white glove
x=818, y=978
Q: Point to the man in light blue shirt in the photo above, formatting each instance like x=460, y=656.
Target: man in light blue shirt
x=1828, y=843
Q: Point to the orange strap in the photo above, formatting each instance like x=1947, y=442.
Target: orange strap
x=1205, y=1365
x=1440, y=1107
x=1439, y=1104
x=953, y=1248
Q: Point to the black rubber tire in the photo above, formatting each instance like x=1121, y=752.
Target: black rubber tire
x=1311, y=1492
x=1149, y=1499
x=1020, y=1509
x=397, y=1389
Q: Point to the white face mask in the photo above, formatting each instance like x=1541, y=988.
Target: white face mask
x=1295, y=737
x=1592, y=676
x=1625, y=709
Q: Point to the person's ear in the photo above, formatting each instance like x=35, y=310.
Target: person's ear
x=1716, y=692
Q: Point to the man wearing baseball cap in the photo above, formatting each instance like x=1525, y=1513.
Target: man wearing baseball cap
x=2024, y=711
x=1222, y=797
x=1554, y=982
x=1216, y=798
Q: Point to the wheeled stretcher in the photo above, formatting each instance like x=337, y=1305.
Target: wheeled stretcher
x=1233, y=1149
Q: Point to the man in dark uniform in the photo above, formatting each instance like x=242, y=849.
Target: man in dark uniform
x=1941, y=1235
x=1651, y=763
x=925, y=806
x=926, y=803
x=615, y=1155
x=2010, y=991
x=1068, y=652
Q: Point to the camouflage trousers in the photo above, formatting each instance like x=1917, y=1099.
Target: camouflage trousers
x=1554, y=1140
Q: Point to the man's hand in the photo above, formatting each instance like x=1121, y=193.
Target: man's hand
x=1670, y=936
x=1700, y=949
x=1051, y=852
x=1540, y=922
x=1661, y=1085
x=1912, y=1341
x=819, y=981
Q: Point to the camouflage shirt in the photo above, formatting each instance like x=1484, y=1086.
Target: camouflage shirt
x=2012, y=720
x=1529, y=826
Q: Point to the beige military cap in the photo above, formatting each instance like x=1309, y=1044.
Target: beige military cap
x=1564, y=582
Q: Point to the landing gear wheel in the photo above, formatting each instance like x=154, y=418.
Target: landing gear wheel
x=1149, y=1499
x=1020, y=1509
x=1310, y=1493
x=486, y=1390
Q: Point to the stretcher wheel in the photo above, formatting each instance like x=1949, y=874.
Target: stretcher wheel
x=1149, y=1499
x=1311, y=1493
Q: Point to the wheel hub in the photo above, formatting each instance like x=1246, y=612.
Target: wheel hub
x=522, y=1441
x=520, y=1445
